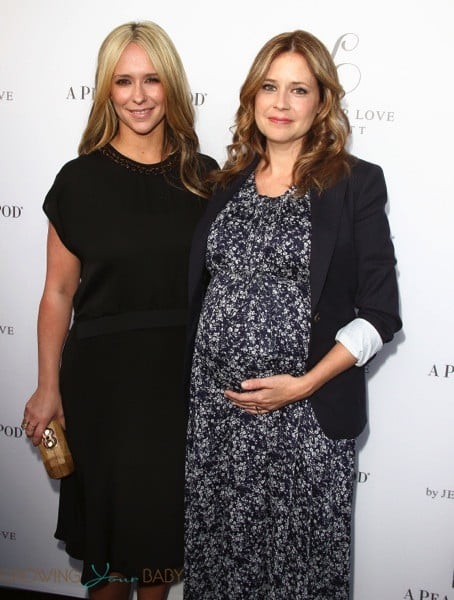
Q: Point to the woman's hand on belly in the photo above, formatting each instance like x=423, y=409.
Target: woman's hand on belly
x=264, y=394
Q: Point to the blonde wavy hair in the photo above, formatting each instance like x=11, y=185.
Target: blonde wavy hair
x=180, y=135
x=323, y=159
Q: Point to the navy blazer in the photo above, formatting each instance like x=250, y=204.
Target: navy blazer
x=352, y=273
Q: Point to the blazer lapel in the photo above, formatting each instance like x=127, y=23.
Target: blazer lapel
x=326, y=210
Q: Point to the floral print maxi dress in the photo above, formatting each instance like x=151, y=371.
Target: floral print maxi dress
x=268, y=498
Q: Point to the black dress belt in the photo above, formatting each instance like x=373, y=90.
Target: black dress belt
x=145, y=319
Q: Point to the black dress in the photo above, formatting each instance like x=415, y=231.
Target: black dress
x=268, y=497
x=130, y=225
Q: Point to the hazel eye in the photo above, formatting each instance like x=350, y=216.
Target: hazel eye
x=268, y=87
x=153, y=79
x=300, y=91
x=122, y=81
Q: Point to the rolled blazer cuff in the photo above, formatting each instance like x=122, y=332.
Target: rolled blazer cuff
x=361, y=339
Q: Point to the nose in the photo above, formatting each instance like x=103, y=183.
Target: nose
x=281, y=102
x=139, y=95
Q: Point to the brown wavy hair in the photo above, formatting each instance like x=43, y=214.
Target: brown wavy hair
x=180, y=135
x=323, y=159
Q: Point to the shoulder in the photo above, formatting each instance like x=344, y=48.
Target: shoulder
x=207, y=162
x=79, y=167
x=75, y=175
x=366, y=186
x=365, y=180
x=232, y=185
x=362, y=170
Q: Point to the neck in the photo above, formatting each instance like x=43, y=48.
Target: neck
x=141, y=148
x=277, y=176
x=282, y=159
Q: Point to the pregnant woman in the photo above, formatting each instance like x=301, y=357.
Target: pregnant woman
x=293, y=275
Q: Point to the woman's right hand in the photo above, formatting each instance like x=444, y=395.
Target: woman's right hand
x=39, y=412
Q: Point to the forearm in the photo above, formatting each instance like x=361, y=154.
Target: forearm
x=62, y=280
x=337, y=360
x=270, y=393
x=53, y=322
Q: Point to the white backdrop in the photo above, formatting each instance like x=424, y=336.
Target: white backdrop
x=395, y=60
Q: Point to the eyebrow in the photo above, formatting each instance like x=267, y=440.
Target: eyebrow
x=131, y=75
x=291, y=83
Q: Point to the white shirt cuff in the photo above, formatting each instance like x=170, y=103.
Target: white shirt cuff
x=361, y=339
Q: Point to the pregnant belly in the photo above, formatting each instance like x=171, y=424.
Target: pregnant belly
x=254, y=328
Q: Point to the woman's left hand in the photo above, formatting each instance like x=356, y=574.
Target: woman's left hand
x=260, y=396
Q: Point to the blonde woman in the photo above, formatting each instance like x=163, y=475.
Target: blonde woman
x=121, y=217
x=292, y=290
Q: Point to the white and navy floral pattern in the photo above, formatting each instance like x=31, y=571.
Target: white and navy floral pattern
x=268, y=498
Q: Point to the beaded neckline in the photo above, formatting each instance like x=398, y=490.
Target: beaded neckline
x=136, y=167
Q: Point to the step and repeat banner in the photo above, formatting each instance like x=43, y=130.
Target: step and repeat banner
x=395, y=62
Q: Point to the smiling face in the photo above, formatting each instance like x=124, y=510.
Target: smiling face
x=137, y=95
x=287, y=102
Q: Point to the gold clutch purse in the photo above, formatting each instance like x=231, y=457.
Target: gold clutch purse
x=55, y=452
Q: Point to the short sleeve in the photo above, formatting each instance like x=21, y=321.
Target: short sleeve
x=52, y=206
